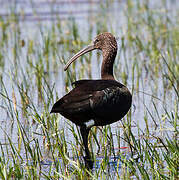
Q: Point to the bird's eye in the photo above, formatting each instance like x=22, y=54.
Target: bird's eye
x=96, y=41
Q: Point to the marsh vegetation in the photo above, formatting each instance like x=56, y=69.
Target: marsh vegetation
x=37, y=39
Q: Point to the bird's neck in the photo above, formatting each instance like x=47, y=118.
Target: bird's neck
x=107, y=65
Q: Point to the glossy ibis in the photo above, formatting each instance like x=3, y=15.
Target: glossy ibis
x=95, y=102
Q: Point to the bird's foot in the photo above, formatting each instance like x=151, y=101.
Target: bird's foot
x=88, y=162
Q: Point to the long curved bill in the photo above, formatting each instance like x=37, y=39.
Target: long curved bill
x=80, y=53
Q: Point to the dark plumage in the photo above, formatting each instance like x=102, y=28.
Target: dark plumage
x=95, y=102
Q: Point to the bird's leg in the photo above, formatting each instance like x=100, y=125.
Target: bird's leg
x=84, y=133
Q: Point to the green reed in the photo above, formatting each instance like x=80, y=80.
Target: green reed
x=38, y=145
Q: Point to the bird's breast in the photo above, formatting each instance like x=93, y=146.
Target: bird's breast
x=111, y=104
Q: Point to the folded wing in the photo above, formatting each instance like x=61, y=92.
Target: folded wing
x=93, y=100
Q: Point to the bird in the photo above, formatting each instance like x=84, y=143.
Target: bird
x=97, y=102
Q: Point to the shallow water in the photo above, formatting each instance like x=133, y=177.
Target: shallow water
x=39, y=16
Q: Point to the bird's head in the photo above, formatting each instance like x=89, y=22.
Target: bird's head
x=105, y=42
